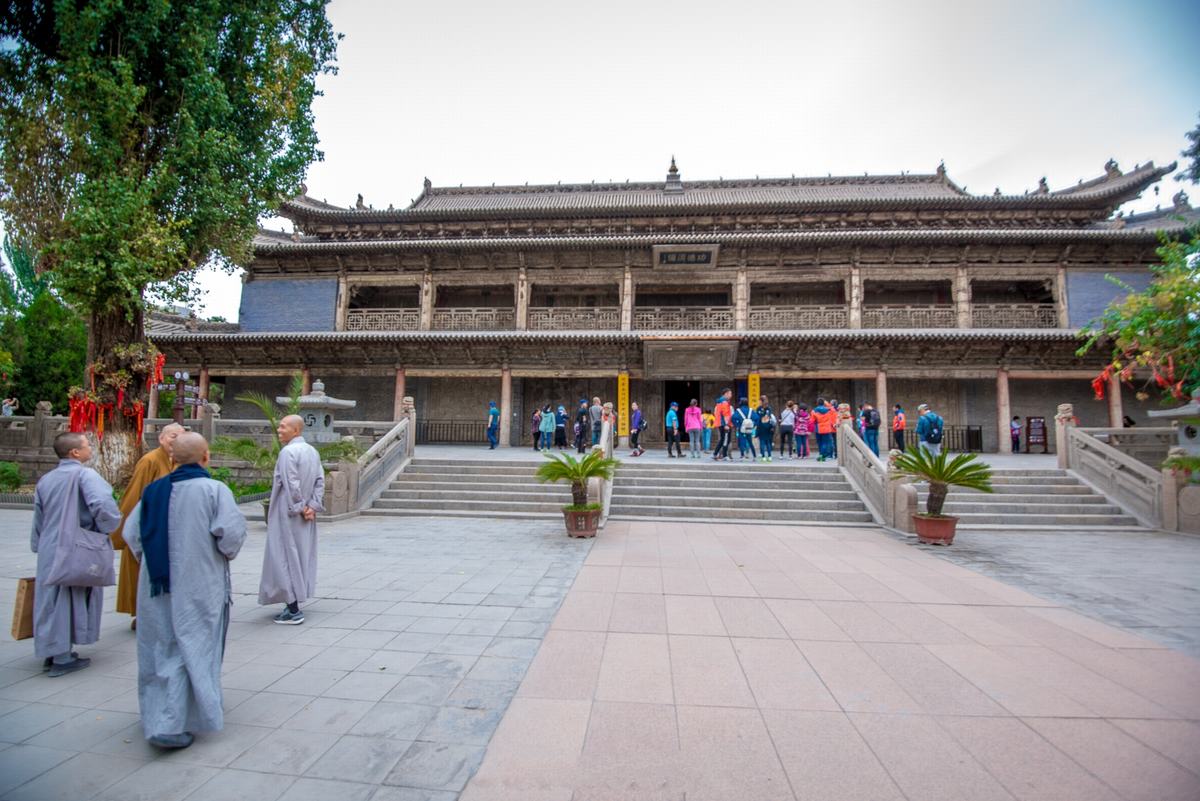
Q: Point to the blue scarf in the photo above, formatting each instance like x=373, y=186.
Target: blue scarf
x=156, y=507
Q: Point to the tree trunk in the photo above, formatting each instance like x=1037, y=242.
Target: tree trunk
x=937, y=497
x=579, y=493
x=118, y=450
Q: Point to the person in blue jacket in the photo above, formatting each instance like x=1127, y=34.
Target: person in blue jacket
x=744, y=425
x=493, y=426
x=560, y=428
x=671, y=424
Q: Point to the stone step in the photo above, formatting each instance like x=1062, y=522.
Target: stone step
x=1020, y=510
x=474, y=479
x=450, y=504
x=967, y=496
x=830, y=484
x=526, y=471
x=1045, y=520
x=481, y=494
x=839, y=492
x=741, y=501
x=708, y=466
x=793, y=515
x=476, y=513
x=1040, y=489
x=1034, y=481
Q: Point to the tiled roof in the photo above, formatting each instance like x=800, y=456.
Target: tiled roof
x=273, y=246
x=158, y=323
x=881, y=191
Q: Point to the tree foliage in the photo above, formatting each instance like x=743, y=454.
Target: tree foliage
x=1191, y=172
x=51, y=355
x=1156, y=331
x=943, y=472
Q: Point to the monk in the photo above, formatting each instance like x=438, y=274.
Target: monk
x=185, y=531
x=289, y=572
x=152, y=466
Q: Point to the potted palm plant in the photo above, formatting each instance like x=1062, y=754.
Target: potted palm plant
x=582, y=518
x=942, y=472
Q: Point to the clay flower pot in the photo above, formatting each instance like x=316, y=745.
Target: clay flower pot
x=935, y=530
x=582, y=524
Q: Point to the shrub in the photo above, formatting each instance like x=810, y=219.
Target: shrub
x=10, y=477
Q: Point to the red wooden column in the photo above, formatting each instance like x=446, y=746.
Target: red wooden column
x=1116, y=410
x=1003, y=412
x=398, y=398
x=505, y=407
x=307, y=374
x=881, y=405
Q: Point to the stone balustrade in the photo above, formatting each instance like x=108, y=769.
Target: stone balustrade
x=574, y=318
x=800, y=317
x=1014, y=315
x=683, y=318
x=383, y=319
x=474, y=319
x=940, y=315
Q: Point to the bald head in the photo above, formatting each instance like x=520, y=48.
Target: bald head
x=167, y=435
x=190, y=448
x=289, y=428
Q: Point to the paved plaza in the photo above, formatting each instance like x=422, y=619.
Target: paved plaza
x=661, y=661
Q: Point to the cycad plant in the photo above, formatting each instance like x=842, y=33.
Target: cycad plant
x=943, y=472
x=565, y=467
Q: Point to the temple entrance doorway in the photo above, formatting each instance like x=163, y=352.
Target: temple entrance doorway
x=682, y=393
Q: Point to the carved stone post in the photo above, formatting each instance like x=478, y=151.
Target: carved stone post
x=854, y=295
x=1063, y=420
x=741, y=300
x=409, y=410
x=522, y=314
x=427, y=298
x=1003, y=412
x=505, y=407
x=627, y=300
x=1116, y=410
x=38, y=438
x=961, y=289
x=152, y=402
x=399, y=397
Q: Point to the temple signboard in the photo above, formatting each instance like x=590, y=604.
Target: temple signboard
x=686, y=255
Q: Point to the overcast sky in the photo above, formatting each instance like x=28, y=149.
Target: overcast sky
x=473, y=92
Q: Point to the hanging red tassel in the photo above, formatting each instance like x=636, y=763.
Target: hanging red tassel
x=120, y=397
x=156, y=373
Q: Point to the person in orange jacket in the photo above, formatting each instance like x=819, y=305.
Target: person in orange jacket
x=899, y=423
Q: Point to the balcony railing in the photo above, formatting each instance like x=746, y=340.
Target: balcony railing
x=683, y=318
x=473, y=319
x=574, y=318
x=923, y=316
x=383, y=319
x=1014, y=315
x=803, y=317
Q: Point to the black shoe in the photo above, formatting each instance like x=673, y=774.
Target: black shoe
x=172, y=741
x=78, y=663
x=49, y=661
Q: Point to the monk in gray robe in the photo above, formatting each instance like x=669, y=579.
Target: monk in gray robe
x=66, y=615
x=184, y=532
x=290, y=563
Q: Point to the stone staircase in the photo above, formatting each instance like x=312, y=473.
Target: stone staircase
x=732, y=491
x=1045, y=498
x=471, y=488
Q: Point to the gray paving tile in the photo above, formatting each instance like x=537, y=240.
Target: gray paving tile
x=461, y=725
x=329, y=715
x=21, y=763
x=422, y=689
x=287, y=752
x=82, y=776
x=83, y=730
x=494, y=668
x=159, y=780
x=436, y=766
x=464, y=644
x=359, y=759
x=444, y=665
x=33, y=719
x=476, y=694
x=325, y=790
x=242, y=785
x=513, y=647
x=267, y=709
x=397, y=721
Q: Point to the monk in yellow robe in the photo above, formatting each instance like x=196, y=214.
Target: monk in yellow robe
x=152, y=466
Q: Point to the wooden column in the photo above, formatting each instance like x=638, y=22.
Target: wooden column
x=522, y=293
x=961, y=291
x=343, y=304
x=854, y=296
x=627, y=300
x=1060, y=298
x=881, y=405
x=398, y=398
x=1116, y=410
x=505, y=407
x=1003, y=412
x=152, y=402
x=428, y=291
x=741, y=300
x=306, y=372
x=197, y=411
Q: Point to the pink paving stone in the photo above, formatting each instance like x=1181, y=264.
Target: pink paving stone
x=930, y=682
x=706, y=671
x=820, y=587
x=913, y=589
x=825, y=758
x=1175, y=739
x=1025, y=763
x=566, y=667
x=855, y=680
x=804, y=620
x=689, y=614
x=631, y=751
x=597, y=578
x=636, y=668
x=639, y=613
x=920, y=626
x=780, y=677
x=728, y=754
x=1103, y=696
x=925, y=762
x=640, y=579
x=1094, y=629
x=730, y=583
x=1020, y=690
x=773, y=584
x=1168, y=679
x=748, y=617
x=978, y=625
x=861, y=622
x=866, y=588
x=1131, y=768
x=684, y=581
x=584, y=611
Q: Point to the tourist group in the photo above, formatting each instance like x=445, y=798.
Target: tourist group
x=177, y=529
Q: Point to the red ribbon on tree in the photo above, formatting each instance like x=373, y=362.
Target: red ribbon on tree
x=156, y=374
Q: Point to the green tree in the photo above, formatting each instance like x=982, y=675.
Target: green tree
x=141, y=140
x=1156, y=330
x=1191, y=172
x=53, y=353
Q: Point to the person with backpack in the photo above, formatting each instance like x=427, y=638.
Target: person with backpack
x=535, y=421
x=764, y=428
x=871, y=422
x=743, y=424
x=693, y=424
x=560, y=428
x=803, y=427
x=787, y=429
x=930, y=428
x=583, y=426
x=826, y=420
x=546, y=427
x=637, y=423
x=899, y=422
x=723, y=412
x=671, y=424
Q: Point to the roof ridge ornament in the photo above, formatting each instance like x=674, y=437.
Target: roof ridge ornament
x=1180, y=201
x=674, y=185
x=1043, y=187
x=1111, y=169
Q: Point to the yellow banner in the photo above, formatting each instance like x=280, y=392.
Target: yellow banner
x=622, y=404
x=752, y=389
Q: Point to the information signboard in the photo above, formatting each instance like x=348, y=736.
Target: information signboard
x=753, y=385
x=1035, y=433
x=622, y=404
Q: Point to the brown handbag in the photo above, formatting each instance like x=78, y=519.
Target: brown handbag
x=22, y=625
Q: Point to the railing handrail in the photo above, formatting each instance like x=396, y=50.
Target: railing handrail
x=1110, y=452
x=607, y=448
x=1128, y=432
x=383, y=442
x=800, y=307
x=872, y=483
x=1119, y=478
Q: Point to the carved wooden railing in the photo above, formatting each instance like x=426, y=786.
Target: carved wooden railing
x=891, y=502
x=932, y=315
x=574, y=318
x=480, y=318
x=1135, y=487
x=683, y=318
x=383, y=319
x=801, y=317
x=1014, y=315
x=1149, y=445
